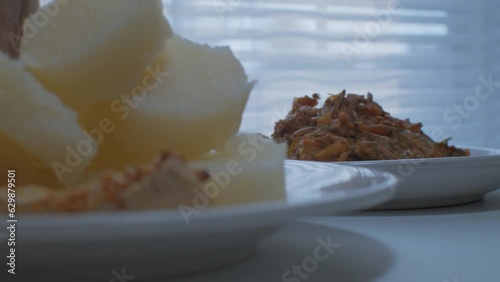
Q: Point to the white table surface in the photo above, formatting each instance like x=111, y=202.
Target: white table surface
x=454, y=244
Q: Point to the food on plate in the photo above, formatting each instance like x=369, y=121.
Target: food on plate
x=39, y=136
x=196, y=106
x=90, y=51
x=160, y=184
x=103, y=88
x=248, y=169
x=354, y=128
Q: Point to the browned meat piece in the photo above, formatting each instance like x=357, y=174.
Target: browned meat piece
x=353, y=128
x=166, y=183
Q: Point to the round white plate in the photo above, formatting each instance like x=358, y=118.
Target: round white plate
x=437, y=182
x=161, y=243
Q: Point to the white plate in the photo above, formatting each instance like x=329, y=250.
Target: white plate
x=437, y=182
x=160, y=243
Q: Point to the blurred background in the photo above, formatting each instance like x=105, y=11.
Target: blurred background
x=427, y=60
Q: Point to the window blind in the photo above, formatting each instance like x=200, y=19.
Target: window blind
x=426, y=60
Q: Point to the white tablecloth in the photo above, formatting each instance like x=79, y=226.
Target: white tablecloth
x=454, y=244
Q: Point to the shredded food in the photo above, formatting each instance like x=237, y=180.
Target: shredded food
x=165, y=183
x=354, y=128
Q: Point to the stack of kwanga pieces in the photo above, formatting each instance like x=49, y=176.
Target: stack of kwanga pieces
x=354, y=128
x=104, y=107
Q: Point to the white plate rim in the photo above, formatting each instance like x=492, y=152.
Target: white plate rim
x=490, y=155
x=376, y=192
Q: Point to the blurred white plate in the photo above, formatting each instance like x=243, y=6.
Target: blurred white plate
x=161, y=243
x=437, y=182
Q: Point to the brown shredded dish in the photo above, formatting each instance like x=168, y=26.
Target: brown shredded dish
x=354, y=128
